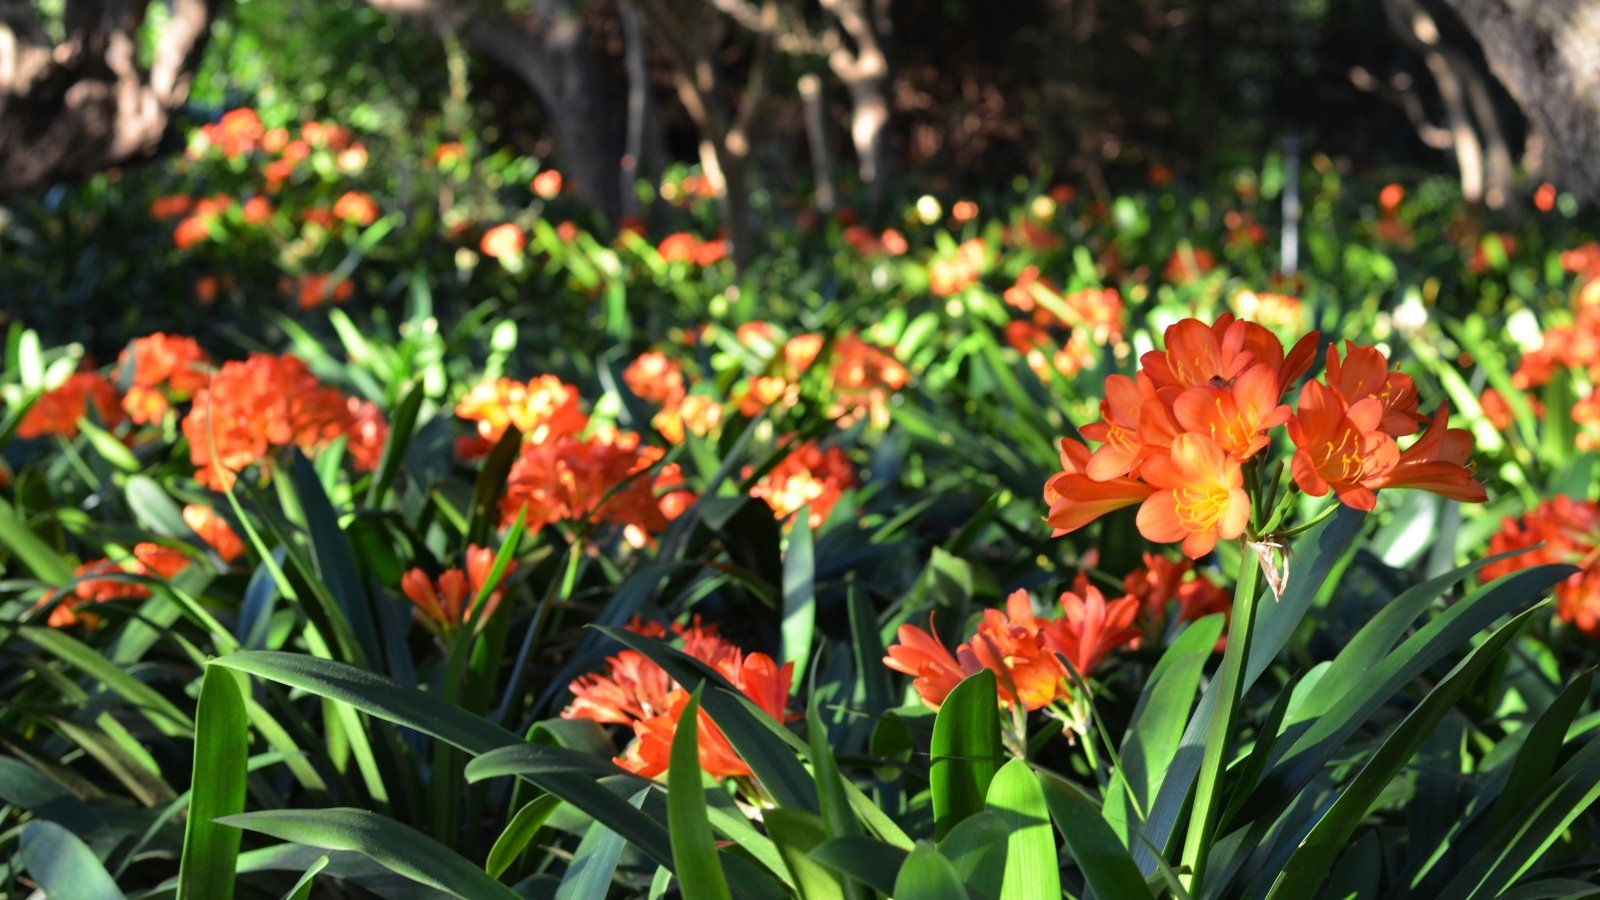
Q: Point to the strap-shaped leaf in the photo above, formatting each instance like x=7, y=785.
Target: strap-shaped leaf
x=927, y=875
x=221, y=750
x=1308, y=867
x=693, y=851
x=1091, y=843
x=398, y=848
x=1031, y=870
x=965, y=752
x=63, y=865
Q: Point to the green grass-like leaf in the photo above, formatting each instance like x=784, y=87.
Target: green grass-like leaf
x=693, y=851
x=221, y=747
x=965, y=751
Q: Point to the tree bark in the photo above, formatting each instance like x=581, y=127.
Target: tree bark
x=70, y=110
x=1547, y=54
x=550, y=52
x=1419, y=30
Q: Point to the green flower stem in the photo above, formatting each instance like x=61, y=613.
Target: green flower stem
x=1208, y=802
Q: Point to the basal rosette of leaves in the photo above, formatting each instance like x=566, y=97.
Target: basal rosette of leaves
x=644, y=584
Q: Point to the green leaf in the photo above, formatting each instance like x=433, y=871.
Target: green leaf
x=799, y=596
x=693, y=851
x=796, y=833
x=1100, y=855
x=63, y=866
x=1311, y=861
x=375, y=695
x=1032, y=872
x=965, y=752
x=977, y=849
x=871, y=862
x=398, y=848
x=574, y=778
x=110, y=449
x=519, y=832
x=221, y=749
x=154, y=510
x=1316, y=555
x=302, y=888
x=1540, y=751
x=594, y=863
x=44, y=562
x=927, y=875
x=330, y=554
x=161, y=712
x=1156, y=728
x=402, y=424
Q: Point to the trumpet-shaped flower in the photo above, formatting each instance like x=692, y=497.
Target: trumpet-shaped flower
x=1199, y=496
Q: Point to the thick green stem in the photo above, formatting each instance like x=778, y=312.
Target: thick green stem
x=1208, y=802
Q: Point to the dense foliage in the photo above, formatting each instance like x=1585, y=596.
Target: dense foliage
x=399, y=532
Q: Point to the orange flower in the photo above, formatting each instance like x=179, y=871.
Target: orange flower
x=448, y=154
x=1013, y=646
x=1199, y=496
x=252, y=408
x=1089, y=628
x=655, y=378
x=634, y=690
x=603, y=479
x=1439, y=461
x=58, y=410
x=1185, y=267
x=367, y=433
x=934, y=671
x=808, y=475
x=171, y=206
x=1238, y=417
x=444, y=605
x=313, y=290
x=1160, y=581
x=192, y=230
x=356, y=208
x=543, y=408
x=1365, y=373
x=1076, y=499
x=214, y=530
x=1134, y=423
x=1339, y=447
x=1561, y=529
x=164, y=368
x=149, y=560
x=1390, y=197
x=547, y=184
x=503, y=241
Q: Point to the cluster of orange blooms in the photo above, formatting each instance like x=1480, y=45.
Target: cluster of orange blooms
x=636, y=692
x=1559, y=530
x=241, y=132
x=444, y=604
x=1092, y=318
x=1177, y=436
x=215, y=531
x=949, y=275
x=683, y=247
x=889, y=243
x=657, y=378
x=1187, y=265
x=861, y=377
x=148, y=560
x=560, y=475
x=253, y=408
x=1574, y=347
x=503, y=242
x=811, y=477
x=164, y=369
x=57, y=411
x=1028, y=654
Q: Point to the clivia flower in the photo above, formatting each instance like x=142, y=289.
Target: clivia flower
x=444, y=604
x=1187, y=438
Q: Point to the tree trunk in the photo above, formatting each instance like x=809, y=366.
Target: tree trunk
x=550, y=53
x=865, y=73
x=1547, y=54
x=70, y=110
x=816, y=119
x=1418, y=29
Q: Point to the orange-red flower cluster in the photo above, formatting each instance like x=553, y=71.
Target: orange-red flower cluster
x=503, y=241
x=683, y=247
x=255, y=407
x=949, y=275
x=634, y=691
x=148, y=559
x=1160, y=582
x=1187, y=265
x=58, y=410
x=601, y=479
x=808, y=476
x=1569, y=530
x=1175, y=436
x=890, y=243
x=1029, y=655
x=214, y=530
x=1574, y=347
x=657, y=378
x=444, y=604
x=544, y=408
x=861, y=378
x=165, y=369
